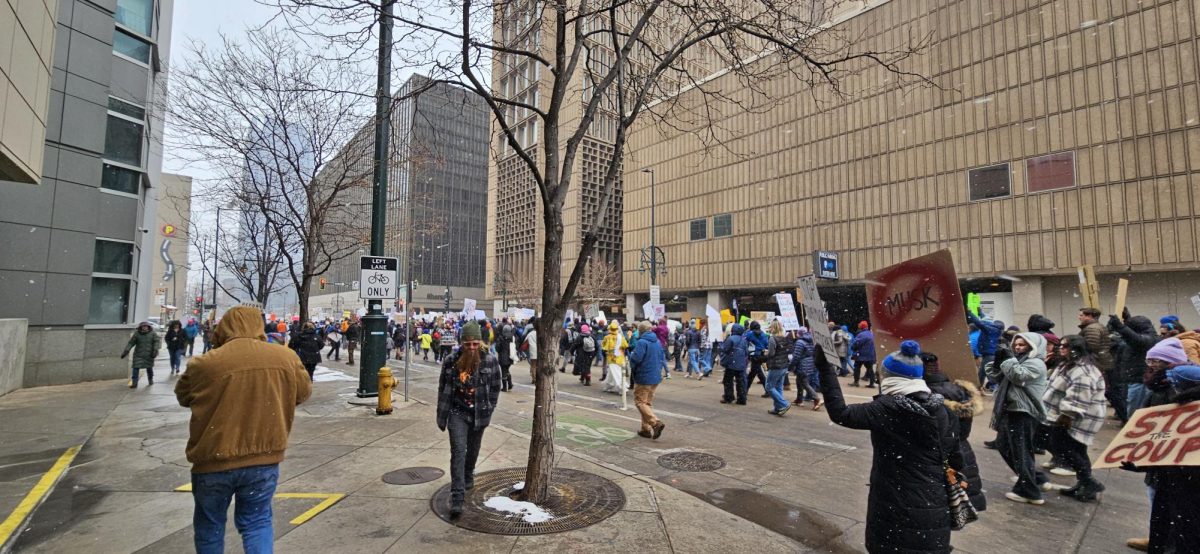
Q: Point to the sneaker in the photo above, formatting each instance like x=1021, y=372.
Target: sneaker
x=765, y=395
x=817, y=405
x=456, y=507
x=724, y=401
x=741, y=402
x=1138, y=544
x=1048, y=486
x=784, y=410
x=989, y=444
x=133, y=385
x=658, y=429
x=1050, y=464
x=1018, y=498
x=645, y=434
x=1062, y=471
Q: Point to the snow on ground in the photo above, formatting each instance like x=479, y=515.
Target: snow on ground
x=528, y=511
x=326, y=375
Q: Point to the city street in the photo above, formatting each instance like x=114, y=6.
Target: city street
x=800, y=477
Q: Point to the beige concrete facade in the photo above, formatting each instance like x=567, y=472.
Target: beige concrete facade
x=884, y=175
x=171, y=240
x=26, y=52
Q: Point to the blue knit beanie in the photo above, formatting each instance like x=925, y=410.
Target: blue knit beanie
x=1168, y=319
x=906, y=362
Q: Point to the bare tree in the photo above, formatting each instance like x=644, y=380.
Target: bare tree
x=557, y=73
x=280, y=127
x=601, y=283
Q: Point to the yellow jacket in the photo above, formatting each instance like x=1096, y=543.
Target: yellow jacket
x=614, y=347
x=426, y=341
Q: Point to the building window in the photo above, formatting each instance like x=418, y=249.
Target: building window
x=136, y=14
x=121, y=179
x=988, y=182
x=699, y=229
x=1053, y=171
x=123, y=135
x=722, y=225
x=131, y=47
x=112, y=282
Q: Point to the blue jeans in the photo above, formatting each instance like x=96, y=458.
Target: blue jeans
x=693, y=360
x=706, y=358
x=176, y=358
x=1136, y=397
x=775, y=387
x=984, y=360
x=254, y=487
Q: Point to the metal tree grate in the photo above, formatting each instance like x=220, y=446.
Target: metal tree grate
x=691, y=461
x=577, y=499
x=412, y=475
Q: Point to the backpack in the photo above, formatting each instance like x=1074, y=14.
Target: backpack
x=589, y=344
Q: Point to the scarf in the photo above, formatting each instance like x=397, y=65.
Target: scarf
x=902, y=386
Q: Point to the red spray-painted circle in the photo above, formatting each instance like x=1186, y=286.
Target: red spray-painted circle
x=910, y=277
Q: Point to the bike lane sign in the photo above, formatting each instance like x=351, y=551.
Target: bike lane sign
x=378, y=278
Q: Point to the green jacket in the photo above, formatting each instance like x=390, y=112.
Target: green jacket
x=144, y=347
x=1021, y=381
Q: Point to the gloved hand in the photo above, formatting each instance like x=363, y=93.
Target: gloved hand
x=1114, y=323
x=1064, y=420
x=1002, y=354
x=1125, y=315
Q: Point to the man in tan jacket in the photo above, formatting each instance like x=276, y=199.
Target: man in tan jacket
x=243, y=396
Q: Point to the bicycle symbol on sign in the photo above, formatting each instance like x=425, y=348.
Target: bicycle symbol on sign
x=377, y=279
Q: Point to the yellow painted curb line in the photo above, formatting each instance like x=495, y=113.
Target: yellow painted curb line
x=39, y=491
x=329, y=500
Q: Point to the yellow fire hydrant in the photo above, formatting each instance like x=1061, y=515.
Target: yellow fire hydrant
x=386, y=384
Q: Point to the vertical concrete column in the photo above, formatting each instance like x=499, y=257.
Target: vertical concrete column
x=1027, y=300
x=717, y=299
x=632, y=307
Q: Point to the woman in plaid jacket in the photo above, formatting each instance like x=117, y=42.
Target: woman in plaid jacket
x=1075, y=408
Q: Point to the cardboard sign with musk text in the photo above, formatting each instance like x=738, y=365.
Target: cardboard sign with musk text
x=920, y=299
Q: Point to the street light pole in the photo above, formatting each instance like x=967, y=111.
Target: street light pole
x=653, y=247
x=216, y=264
x=374, y=354
x=439, y=247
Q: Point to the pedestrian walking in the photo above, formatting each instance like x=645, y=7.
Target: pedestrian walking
x=353, y=330
x=678, y=347
x=756, y=344
x=803, y=365
x=914, y=442
x=779, y=347
x=243, y=397
x=841, y=344
x=1075, y=407
x=206, y=330
x=1100, y=346
x=334, y=336
x=468, y=390
x=506, y=354
x=426, y=343
x=735, y=359
x=614, y=346
x=1020, y=375
x=706, y=350
x=308, y=347
x=988, y=342
x=192, y=329
x=645, y=364
x=863, y=346
x=447, y=343
x=964, y=401
x=1135, y=336
x=529, y=343
x=144, y=345
x=585, y=350
x=176, y=340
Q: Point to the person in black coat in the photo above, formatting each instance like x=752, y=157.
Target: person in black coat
x=964, y=401
x=308, y=345
x=504, y=341
x=1137, y=336
x=176, y=340
x=912, y=437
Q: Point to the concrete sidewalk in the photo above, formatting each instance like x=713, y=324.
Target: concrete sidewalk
x=119, y=494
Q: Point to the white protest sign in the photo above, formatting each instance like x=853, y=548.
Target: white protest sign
x=648, y=310
x=468, y=306
x=818, y=318
x=787, y=312
x=480, y=314
x=660, y=312
x=714, y=324
x=655, y=294
x=1196, y=303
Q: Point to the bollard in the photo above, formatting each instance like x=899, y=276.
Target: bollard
x=386, y=384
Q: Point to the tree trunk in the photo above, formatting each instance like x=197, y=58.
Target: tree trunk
x=302, y=299
x=541, y=444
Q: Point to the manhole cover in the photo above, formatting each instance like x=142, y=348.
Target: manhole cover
x=412, y=475
x=691, y=461
x=577, y=500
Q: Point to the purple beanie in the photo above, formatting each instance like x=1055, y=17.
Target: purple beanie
x=1168, y=350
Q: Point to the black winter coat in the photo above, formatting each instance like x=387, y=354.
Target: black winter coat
x=964, y=402
x=778, y=349
x=175, y=340
x=906, y=508
x=502, y=353
x=308, y=347
x=1137, y=337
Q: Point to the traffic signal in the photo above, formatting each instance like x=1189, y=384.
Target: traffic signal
x=199, y=302
x=322, y=282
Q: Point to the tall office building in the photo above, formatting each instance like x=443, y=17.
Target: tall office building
x=169, y=269
x=437, y=195
x=76, y=260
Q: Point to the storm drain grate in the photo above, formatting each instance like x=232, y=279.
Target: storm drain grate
x=412, y=475
x=691, y=461
x=577, y=499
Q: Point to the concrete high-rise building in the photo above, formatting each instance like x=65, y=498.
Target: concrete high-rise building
x=169, y=271
x=437, y=196
x=1065, y=133
x=76, y=260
